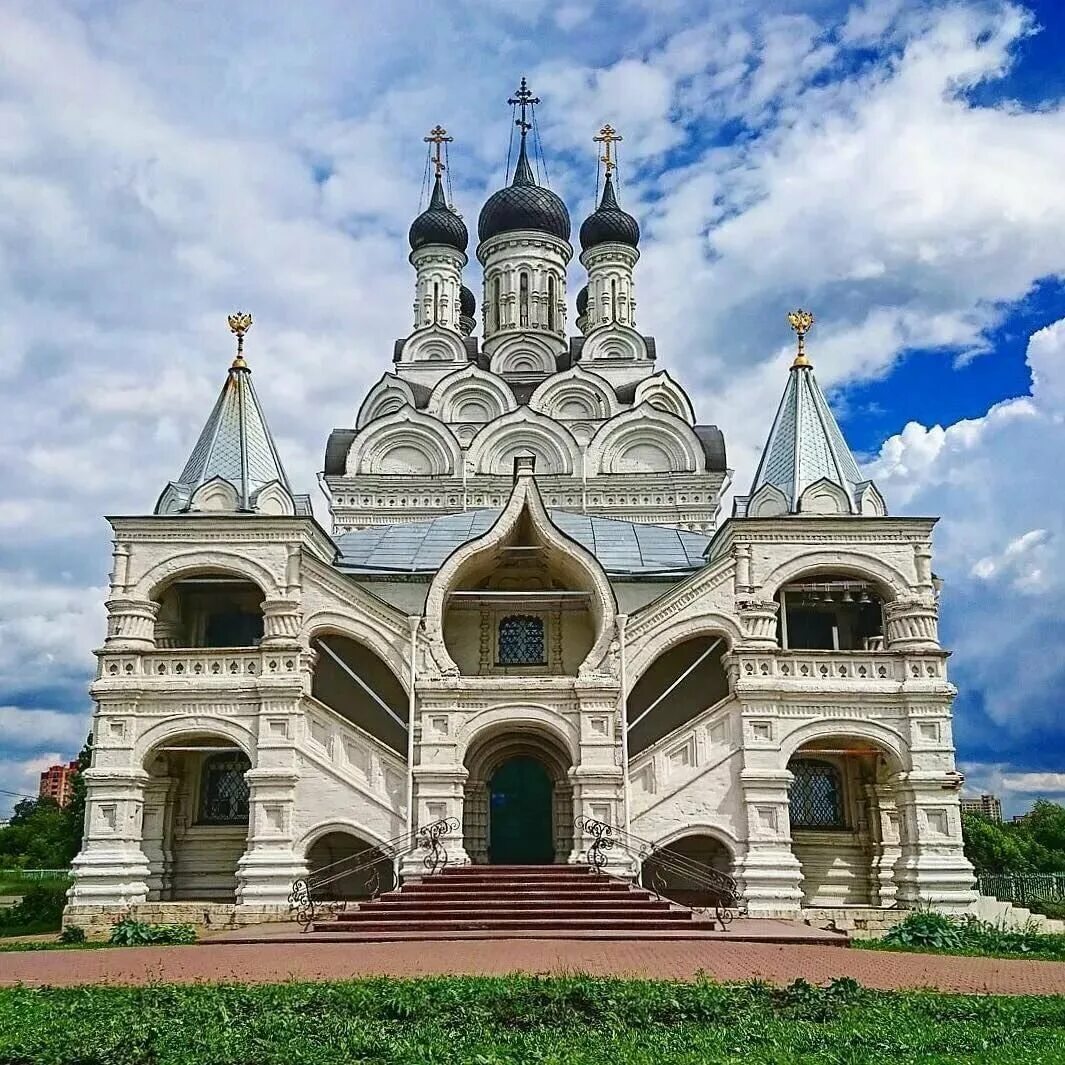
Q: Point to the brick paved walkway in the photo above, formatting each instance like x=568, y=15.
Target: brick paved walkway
x=722, y=961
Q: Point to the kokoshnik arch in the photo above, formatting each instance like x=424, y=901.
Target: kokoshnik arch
x=526, y=613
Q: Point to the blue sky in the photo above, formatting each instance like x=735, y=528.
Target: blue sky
x=895, y=165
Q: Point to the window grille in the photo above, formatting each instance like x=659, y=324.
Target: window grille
x=816, y=795
x=521, y=641
x=223, y=790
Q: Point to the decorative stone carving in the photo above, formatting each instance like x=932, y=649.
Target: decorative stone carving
x=759, y=620
x=281, y=622
x=131, y=624
x=911, y=625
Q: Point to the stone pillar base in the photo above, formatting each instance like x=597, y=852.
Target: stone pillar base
x=770, y=882
x=116, y=878
x=265, y=878
x=944, y=882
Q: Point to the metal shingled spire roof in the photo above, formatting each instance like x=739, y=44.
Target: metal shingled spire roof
x=805, y=444
x=235, y=444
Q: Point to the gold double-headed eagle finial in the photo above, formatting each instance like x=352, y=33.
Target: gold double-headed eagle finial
x=802, y=322
x=607, y=137
x=239, y=324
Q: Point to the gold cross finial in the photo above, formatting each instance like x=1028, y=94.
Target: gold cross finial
x=438, y=137
x=239, y=324
x=801, y=321
x=608, y=136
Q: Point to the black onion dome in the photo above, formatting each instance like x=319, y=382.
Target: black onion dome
x=438, y=224
x=582, y=302
x=467, y=302
x=523, y=205
x=609, y=223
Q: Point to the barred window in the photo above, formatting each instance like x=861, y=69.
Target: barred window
x=521, y=641
x=223, y=789
x=816, y=795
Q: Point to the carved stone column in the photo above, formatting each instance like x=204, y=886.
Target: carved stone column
x=759, y=620
x=269, y=864
x=475, y=821
x=281, y=623
x=131, y=625
x=884, y=831
x=157, y=834
x=911, y=625
x=111, y=869
x=932, y=869
x=769, y=873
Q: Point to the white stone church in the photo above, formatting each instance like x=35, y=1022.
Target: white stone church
x=526, y=612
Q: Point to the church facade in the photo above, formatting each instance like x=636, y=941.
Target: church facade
x=526, y=616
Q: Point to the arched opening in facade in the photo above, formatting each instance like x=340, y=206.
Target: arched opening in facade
x=681, y=881
x=551, y=311
x=844, y=822
x=831, y=612
x=196, y=811
x=677, y=686
x=357, y=684
x=518, y=802
x=343, y=867
x=211, y=609
x=520, y=608
x=523, y=299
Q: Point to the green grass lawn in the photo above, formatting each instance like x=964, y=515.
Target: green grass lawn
x=491, y=1021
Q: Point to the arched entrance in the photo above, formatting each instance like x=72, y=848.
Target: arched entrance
x=519, y=814
x=518, y=798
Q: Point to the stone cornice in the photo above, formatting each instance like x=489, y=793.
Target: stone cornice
x=820, y=528
x=223, y=528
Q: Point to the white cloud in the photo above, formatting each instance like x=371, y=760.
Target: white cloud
x=151, y=187
x=22, y=728
x=996, y=480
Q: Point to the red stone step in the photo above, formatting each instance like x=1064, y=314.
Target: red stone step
x=447, y=913
x=501, y=924
x=550, y=905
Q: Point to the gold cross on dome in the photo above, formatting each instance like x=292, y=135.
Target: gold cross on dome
x=438, y=137
x=802, y=322
x=608, y=136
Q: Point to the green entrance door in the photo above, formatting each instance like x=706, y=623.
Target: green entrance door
x=519, y=814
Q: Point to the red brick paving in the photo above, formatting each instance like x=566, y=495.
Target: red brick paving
x=258, y=963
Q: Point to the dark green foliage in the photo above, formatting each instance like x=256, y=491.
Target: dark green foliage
x=935, y=933
x=43, y=835
x=130, y=933
x=41, y=910
x=72, y=935
x=1047, y=908
x=520, y=1019
x=1035, y=844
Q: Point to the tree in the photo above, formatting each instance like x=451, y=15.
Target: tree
x=44, y=835
x=1035, y=844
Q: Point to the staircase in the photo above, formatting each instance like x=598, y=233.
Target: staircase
x=515, y=901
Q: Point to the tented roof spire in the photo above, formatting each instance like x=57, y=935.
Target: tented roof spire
x=806, y=466
x=234, y=465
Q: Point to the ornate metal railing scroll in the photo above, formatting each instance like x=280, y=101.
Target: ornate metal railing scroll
x=310, y=899
x=666, y=868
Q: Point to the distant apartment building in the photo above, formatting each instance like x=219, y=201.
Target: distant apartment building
x=987, y=806
x=57, y=782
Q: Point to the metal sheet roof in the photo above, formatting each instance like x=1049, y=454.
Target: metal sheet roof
x=623, y=548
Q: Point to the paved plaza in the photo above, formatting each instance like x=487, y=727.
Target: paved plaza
x=780, y=964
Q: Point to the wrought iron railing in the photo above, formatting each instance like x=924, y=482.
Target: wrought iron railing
x=1023, y=887
x=310, y=898
x=664, y=871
